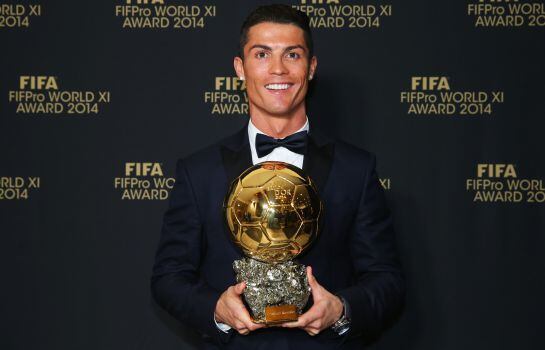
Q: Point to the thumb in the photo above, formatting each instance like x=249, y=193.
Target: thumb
x=314, y=285
x=239, y=287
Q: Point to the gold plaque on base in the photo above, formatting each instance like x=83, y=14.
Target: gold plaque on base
x=280, y=314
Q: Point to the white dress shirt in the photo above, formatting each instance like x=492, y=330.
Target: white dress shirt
x=280, y=154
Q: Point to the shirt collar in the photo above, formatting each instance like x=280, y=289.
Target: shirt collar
x=253, y=131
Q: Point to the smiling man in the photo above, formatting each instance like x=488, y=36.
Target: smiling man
x=353, y=269
x=277, y=62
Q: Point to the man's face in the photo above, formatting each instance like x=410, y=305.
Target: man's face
x=276, y=68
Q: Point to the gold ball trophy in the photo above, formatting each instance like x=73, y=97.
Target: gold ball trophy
x=272, y=210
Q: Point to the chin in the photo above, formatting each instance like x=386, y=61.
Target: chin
x=280, y=111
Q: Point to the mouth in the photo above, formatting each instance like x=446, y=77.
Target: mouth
x=278, y=87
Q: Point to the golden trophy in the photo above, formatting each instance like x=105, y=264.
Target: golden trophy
x=272, y=210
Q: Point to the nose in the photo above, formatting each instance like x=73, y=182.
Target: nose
x=277, y=66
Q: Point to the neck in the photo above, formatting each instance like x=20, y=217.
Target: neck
x=278, y=126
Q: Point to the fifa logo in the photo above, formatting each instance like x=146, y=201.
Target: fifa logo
x=40, y=82
x=429, y=83
x=230, y=83
x=143, y=169
x=496, y=170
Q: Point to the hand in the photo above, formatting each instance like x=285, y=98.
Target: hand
x=325, y=311
x=231, y=310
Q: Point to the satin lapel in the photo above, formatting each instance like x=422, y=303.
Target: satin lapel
x=236, y=155
x=318, y=159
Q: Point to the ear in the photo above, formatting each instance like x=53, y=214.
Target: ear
x=312, y=68
x=239, y=67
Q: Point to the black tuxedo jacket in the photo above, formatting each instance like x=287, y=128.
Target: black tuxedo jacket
x=354, y=255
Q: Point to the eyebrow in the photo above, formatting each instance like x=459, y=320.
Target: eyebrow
x=265, y=47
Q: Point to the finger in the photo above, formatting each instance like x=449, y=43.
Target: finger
x=294, y=324
x=312, y=328
x=254, y=326
x=243, y=331
x=239, y=287
x=311, y=279
x=316, y=288
x=312, y=331
x=301, y=322
x=244, y=317
x=316, y=326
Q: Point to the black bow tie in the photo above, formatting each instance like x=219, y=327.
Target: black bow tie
x=296, y=143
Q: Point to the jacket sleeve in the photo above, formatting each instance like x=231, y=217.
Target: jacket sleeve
x=175, y=283
x=378, y=293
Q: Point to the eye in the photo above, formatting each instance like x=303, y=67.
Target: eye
x=261, y=54
x=293, y=55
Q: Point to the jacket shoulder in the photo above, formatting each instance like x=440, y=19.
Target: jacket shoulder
x=209, y=155
x=353, y=153
x=203, y=156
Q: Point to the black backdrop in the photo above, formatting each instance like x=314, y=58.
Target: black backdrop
x=83, y=183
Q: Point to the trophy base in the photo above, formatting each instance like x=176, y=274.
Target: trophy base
x=275, y=293
x=279, y=314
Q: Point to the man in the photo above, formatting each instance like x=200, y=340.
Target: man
x=357, y=285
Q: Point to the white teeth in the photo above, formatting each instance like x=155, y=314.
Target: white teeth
x=277, y=86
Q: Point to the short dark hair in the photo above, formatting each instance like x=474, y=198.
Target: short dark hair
x=276, y=13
